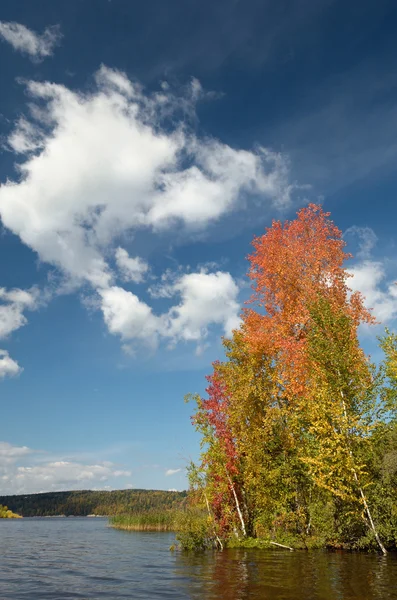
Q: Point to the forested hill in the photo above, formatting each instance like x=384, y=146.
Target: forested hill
x=82, y=503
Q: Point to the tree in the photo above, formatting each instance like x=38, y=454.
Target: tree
x=221, y=457
x=291, y=410
x=342, y=406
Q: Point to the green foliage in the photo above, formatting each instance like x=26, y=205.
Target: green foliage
x=193, y=526
x=249, y=542
x=298, y=428
x=152, y=520
x=194, y=530
x=83, y=503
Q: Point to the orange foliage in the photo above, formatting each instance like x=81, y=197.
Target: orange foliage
x=294, y=265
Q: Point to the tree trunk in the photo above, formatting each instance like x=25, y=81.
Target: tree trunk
x=381, y=546
x=366, y=507
x=212, y=518
x=282, y=546
x=237, y=506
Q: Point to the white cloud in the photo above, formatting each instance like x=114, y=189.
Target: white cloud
x=20, y=297
x=172, y=472
x=100, y=165
x=11, y=318
x=106, y=165
x=369, y=278
x=25, y=137
x=21, y=473
x=127, y=316
x=54, y=475
x=131, y=268
x=9, y=454
x=28, y=42
x=8, y=366
x=12, y=305
x=206, y=299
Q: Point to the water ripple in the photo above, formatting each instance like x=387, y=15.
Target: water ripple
x=72, y=558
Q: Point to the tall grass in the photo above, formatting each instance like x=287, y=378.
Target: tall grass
x=194, y=531
x=152, y=520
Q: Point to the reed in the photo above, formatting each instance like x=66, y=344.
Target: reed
x=154, y=520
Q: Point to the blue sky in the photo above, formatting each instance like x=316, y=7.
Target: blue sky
x=143, y=145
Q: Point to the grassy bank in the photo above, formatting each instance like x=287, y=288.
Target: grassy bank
x=156, y=520
x=192, y=527
x=195, y=531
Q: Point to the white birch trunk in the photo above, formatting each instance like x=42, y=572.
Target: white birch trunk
x=212, y=518
x=237, y=506
x=366, y=507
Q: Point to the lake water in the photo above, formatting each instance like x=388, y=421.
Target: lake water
x=84, y=558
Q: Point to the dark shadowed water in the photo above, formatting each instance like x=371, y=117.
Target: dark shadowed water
x=83, y=558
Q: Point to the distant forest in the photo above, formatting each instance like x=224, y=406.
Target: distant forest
x=83, y=503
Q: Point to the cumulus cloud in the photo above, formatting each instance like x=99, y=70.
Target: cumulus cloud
x=106, y=163
x=129, y=317
x=131, y=268
x=100, y=165
x=21, y=473
x=66, y=474
x=13, y=303
x=8, y=366
x=369, y=277
x=24, y=138
x=205, y=299
x=28, y=42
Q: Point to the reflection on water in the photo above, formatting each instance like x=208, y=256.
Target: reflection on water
x=279, y=575
x=83, y=558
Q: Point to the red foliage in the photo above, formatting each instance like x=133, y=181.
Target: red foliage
x=216, y=408
x=293, y=266
x=214, y=412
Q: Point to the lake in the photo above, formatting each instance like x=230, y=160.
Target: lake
x=61, y=558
